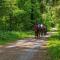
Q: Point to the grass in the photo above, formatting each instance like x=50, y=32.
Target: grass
x=7, y=37
x=54, y=47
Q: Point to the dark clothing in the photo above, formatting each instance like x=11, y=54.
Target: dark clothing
x=40, y=30
x=43, y=30
x=37, y=30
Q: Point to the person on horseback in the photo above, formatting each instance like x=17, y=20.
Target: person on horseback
x=43, y=29
x=37, y=30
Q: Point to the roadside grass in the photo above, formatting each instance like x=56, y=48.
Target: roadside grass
x=54, y=47
x=7, y=37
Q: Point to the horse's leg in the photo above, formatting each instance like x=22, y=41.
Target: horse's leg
x=39, y=34
x=45, y=32
x=36, y=34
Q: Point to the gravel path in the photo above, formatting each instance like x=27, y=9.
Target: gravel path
x=29, y=49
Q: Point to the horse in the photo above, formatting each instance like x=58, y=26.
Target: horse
x=37, y=30
x=40, y=29
x=43, y=29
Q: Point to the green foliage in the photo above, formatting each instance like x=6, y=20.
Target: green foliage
x=22, y=14
x=54, y=46
x=6, y=37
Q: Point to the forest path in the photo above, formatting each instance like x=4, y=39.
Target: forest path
x=27, y=49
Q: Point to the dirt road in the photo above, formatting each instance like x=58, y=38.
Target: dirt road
x=29, y=49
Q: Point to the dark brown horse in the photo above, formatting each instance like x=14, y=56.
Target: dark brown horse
x=43, y=30
x=37, y=30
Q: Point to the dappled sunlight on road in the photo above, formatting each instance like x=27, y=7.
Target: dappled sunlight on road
x=26, y=49
x=30, y=42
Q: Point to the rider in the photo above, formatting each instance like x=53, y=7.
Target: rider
x=43, y=29
x=37, y=30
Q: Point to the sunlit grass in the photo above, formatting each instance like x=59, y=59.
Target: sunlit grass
x=6, y=37
x=53, y=42
x=54, y=47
